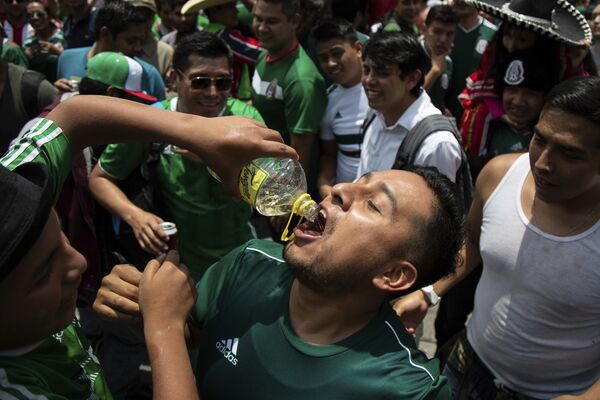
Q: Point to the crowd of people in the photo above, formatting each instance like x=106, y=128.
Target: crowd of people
x=453, y=147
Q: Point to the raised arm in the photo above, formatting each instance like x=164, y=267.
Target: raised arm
x=225, y=143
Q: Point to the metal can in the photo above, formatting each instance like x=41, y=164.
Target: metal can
x=170, y=229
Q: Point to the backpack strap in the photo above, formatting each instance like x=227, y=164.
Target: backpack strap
x=30, y=83
x=414, y=139
x=369, y=118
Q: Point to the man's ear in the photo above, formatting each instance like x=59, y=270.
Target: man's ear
x=412, y=79
x=358, y=46
x=296, y=19
x=105, y=35
x=400, y=277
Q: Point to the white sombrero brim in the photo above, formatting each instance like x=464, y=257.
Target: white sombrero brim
x=196, y=5
x=567, y=25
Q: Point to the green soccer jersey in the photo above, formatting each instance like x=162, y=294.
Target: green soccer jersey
x=395, y=24
x=209, y=222
x=466, y=54
x=505, y=139
x=440, y=86
x=291, y=95
x=61, y=366
x=250, y=351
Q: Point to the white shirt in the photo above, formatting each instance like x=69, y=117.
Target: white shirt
x=536, y=320
x=344, y=116
x=381, y=142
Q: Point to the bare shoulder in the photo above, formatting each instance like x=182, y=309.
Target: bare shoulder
x=493, y=172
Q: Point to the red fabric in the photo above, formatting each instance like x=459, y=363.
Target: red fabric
x=378, y=9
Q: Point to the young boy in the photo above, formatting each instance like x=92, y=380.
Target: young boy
x=41, y=353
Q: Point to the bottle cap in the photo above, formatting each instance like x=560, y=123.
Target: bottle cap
x=168, y=227
x=299, y=205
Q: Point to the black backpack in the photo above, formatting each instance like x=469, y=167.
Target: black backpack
x=413, y=141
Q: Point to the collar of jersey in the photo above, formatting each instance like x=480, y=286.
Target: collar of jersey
x=270, y=60
x=327, y=350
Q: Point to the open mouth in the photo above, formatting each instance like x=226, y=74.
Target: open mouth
x=312, y=229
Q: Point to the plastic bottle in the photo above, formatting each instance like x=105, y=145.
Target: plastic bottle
x=276, y=186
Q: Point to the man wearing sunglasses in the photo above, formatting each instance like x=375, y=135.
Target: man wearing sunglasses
x=209, y=223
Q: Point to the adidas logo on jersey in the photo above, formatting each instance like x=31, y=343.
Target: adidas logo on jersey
x=228, y=348
x=337, y=115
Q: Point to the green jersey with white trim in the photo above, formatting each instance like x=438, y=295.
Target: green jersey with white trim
x=59, y=367
x=289, y=93
x=466, y=54
x=250, y=351
x=209, y=222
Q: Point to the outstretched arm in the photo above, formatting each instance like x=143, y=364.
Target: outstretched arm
x=225, y=144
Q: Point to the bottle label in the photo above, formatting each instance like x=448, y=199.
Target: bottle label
x=251, y=179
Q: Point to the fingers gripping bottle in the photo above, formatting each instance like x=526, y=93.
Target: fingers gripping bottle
x=277, y=186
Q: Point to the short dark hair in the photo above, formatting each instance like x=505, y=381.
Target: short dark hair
x=204, y=44
x=578, y=96
x=117, y=16
x=335, y=28
x=288, y=7
x=441, y=13
x=397, y=48
x=434, y=251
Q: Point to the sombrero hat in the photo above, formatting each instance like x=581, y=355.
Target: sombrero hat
x=196, y=5
x=556, y=19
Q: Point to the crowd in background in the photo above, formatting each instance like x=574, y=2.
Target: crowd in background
x=345, y=83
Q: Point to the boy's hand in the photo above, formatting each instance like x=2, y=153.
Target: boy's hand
x=236, y=142
x=150, y=237
x=117, y=298
x=166, y=294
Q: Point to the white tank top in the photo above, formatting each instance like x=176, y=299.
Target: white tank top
x=536, y=322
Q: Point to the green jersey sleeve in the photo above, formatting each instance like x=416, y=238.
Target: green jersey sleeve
x=120, y=159
x=47, y=144
x=305, y=103
x=240, y=108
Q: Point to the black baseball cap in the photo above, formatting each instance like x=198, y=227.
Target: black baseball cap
x=25, y=205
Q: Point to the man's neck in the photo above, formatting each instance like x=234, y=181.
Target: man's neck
x=355, y=81
x=322, y=319
x=565, y=218
x=283, y=51
x=46, y=32
x=393, y=113
x=469, y=22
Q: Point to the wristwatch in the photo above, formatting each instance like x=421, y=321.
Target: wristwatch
x=431, y=295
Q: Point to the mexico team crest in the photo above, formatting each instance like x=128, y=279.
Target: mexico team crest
x=515, y=73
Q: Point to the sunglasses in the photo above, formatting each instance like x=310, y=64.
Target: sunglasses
x=222, y=83
x=36, y=14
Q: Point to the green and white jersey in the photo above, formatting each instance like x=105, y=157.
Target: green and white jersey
x=47, y=144
x=395, y=24
x=250, y=351
x=466, y=54
x=289, y=93
x=437, y=93
x=58, y=367
x=209, y=222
